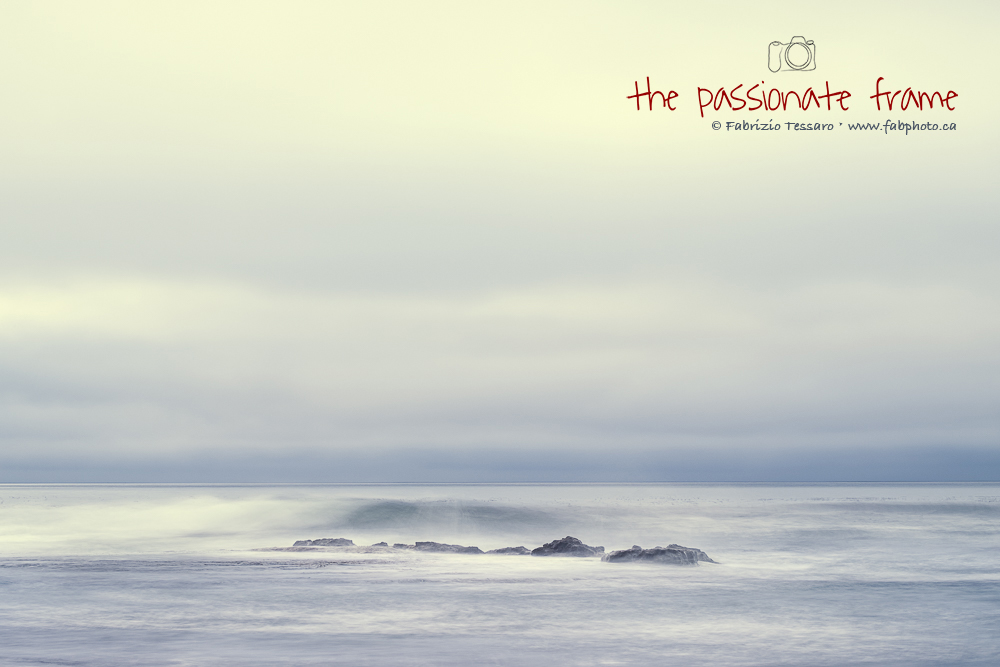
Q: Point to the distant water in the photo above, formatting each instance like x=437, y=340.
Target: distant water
x=820, y=574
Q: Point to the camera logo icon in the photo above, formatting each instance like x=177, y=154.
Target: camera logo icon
x=797, y=55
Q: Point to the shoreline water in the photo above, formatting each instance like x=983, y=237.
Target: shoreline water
x=809, y=575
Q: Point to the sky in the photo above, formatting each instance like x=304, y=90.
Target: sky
x=436, y=242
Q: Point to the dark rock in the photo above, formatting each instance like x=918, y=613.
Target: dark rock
x=510, y=551
x=325, y=542
x=674, y=554
x=380, y=544
x=567, y=546
x=437, y=547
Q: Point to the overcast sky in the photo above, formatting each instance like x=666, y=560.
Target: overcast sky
x=296, y=241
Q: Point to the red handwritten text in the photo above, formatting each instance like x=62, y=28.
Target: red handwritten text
x=910, y=96
x=650, y=94
x=772, y=100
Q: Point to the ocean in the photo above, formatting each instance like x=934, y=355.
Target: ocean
x=806, y=574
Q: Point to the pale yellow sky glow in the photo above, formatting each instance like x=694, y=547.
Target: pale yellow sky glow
x=311, y=228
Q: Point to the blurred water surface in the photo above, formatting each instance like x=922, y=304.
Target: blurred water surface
x=822, y=574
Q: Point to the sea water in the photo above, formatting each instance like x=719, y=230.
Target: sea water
x=820, y=574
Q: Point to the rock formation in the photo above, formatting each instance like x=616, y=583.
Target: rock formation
x=437, y=547
x=567, y=546
x=325, y=542
x=510, y=551
x=674, y=554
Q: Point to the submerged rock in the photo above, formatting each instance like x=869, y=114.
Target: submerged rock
x=325, y=542
x=437, y=547
x=673, y=554
x=567, y=546
x=510, y=551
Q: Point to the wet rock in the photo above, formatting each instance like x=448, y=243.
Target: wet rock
x=380, y=544
x=437, y=547
x=510, y=551
x=673, y=554
x=567, y=546
x=325, y=542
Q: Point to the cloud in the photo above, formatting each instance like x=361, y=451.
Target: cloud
x=166, y=368
x=310, y=232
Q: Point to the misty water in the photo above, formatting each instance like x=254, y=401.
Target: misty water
x=821, y=574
